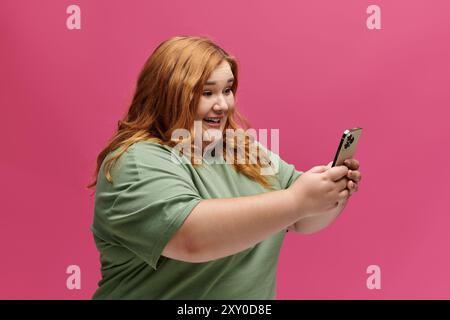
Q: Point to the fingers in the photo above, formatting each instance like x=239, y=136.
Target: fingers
x=354, y=175
x=342, y=184
x=352, y=187
x=344, y=194
x=352, y=164
x=345, y=183
x=337, y=173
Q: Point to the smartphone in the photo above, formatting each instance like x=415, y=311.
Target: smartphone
x=347, y=146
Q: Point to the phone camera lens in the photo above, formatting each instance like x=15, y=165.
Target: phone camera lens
x=349, y=141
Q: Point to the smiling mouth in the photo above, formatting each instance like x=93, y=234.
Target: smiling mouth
x=212, y=120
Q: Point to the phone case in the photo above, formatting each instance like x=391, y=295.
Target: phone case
x=347, y=146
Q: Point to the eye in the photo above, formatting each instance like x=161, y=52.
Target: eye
x=209, y=93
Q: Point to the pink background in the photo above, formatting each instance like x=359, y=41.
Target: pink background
x=309, y=68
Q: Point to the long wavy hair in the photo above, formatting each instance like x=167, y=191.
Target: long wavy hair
x=168, y=91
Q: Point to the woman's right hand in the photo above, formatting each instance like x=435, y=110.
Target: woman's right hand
x=319, y=189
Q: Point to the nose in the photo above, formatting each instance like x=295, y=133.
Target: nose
x=220, y=105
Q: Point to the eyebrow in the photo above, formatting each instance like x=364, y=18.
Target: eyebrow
x=213, y=82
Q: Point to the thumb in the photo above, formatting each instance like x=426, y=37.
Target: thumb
x=318, y=169
x=329, y=164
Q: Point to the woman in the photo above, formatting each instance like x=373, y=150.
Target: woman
x=170, y=229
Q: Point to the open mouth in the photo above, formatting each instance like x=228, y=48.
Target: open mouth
x=213, y=122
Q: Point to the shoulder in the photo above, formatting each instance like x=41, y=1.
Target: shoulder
x=150, y=150
x=148, y=153
x=139, y=152
x=145, y=160
x=152, y=158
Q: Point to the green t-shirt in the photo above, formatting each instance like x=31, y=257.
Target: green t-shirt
x=151, y=196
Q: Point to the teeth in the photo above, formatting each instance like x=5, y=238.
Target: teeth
x=213, y=119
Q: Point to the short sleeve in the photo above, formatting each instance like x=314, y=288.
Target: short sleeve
x=153, y=196
x=286, y=172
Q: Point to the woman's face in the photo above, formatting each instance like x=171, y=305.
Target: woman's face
x=217, y=99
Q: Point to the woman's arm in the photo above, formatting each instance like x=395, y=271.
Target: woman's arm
x=314, y=224
x=217, y=228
